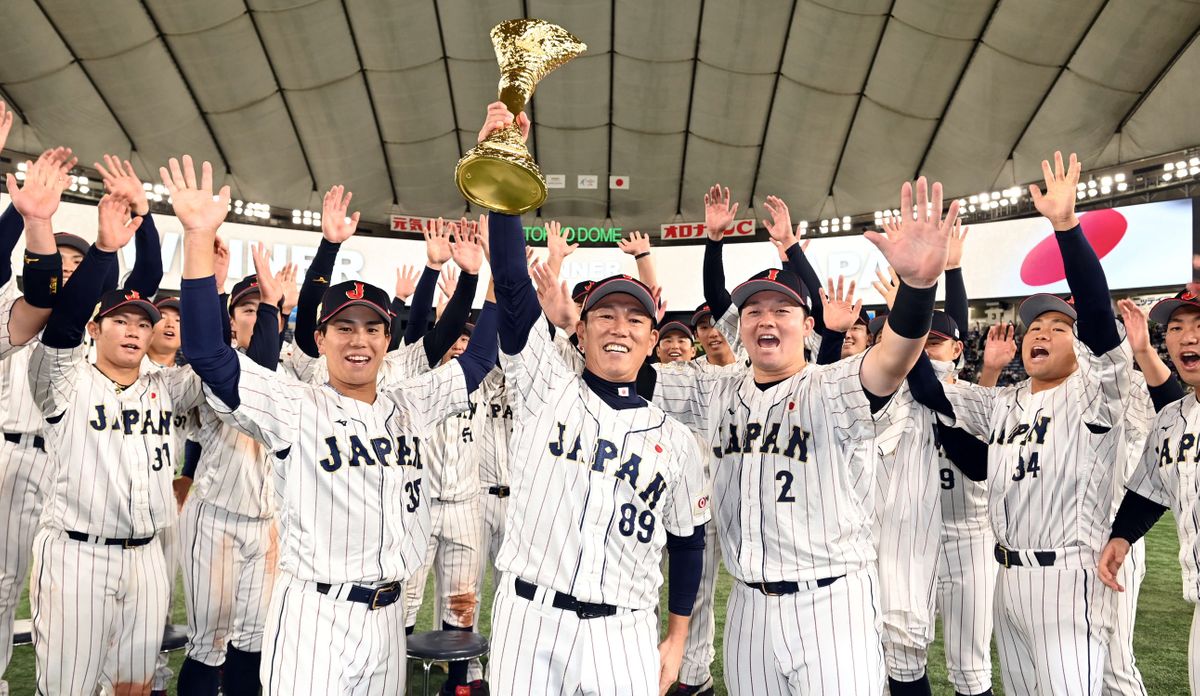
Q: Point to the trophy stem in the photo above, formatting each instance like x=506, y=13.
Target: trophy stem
x=514, y=98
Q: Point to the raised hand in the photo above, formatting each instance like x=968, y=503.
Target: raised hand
x=120, y=180
x=466, y=249
x=636, y=243
x=498, y=116
x=437, y=243
x=291, y=290
x=1000, y=347
x=1057, y=204
x=220, y=263
x=481, y=232
x=779, y=224
x=6, y=121
x=1136, y=326
x=115, y=229
x=269, y=288
x=887, y=285
x=193, y=201
x=45, y=181
x=958, y=235
x=334, y=209
x=718, y=214
x=1111, y=559
x=406, y=282
x=841, y=310
x=918, y=248
x=448, y=283
x=554, y=297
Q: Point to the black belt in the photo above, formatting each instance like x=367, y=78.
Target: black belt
x=774, y=589
x=1009, y=558
x=500, y=491
x=91, y=539
x=38, y=441
x=374, y=597
x=585, y=610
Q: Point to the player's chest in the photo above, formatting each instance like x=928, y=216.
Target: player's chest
x=360, y=439
x=138, y=411
x=765, y=426
x=1176, y=452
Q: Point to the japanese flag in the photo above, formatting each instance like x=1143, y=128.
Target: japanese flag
x=618, y=182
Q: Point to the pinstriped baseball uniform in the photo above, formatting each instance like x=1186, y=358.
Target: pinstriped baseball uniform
x=112, y=452
x=352, y=510
x=1168, y=473
x=1053, y=458
x=594, y=492
x=793, y=496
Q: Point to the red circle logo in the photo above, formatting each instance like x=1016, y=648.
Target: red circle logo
x=1043, y=265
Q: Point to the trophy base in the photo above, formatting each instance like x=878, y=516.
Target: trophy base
x=499, y=184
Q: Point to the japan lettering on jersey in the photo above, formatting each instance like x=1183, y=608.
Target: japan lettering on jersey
x=113, y=450
x=1168, y=473
x=793, y=485
x=348, y=475
x=594, y=489
x=1053, y=456
x=494, y=422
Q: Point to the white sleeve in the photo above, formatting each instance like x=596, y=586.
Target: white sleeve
x=303, y=367
x=687, y=390
x=728, y=325
x=973, y=406
x=535, y=371
x=53, y=376
x=8, y=298
x=1149, y=479
x=432, y=397
x=185, y=387
x=270, y=406
x=849, y=409
x=567, y=350
x=1107, y=385
x=408, y=361
x=685, y=505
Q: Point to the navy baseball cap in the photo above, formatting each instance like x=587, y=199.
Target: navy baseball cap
x=864, y=317
x=1036, y=305
x=354, y=293
x=72, y=241
x=167, y=302
x=945, y=326
x=622, y=284
x=675, y=325
x=875, y=325
x=702, y=311
x=1163, y=309
x=243, y=289
x=771, y=280
x=582, y=288
x=115, y=300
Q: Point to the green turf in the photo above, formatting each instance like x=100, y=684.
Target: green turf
x=1160, y=641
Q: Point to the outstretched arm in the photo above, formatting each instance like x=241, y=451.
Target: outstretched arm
x=121, y=181
x=779, y=226
x=437, y=251
x=406, y=285
x=334, y=230
x=468, y=254
x=956, y=289
x=1163, y=389
x=718, y=215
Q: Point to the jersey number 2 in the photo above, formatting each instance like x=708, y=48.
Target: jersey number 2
x=785, y=492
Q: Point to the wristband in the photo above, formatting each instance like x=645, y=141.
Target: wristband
x=641, y=255
x=42, y=279
x=912, y=311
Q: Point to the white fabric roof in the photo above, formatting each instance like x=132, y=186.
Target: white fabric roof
x=829, y=104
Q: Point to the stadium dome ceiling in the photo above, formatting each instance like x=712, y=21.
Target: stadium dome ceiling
x=828, y=104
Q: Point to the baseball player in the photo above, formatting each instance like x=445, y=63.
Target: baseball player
x=353, y=519
x=227, y=524
x=23, y=465
x=99, y=594
x=802, y=617
x=1056, y=443
x=1165, y=475
x=676, y=343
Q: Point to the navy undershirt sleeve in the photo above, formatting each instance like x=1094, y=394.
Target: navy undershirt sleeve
x=516, y=299
x=715, y=295
x=685, y=560
x=78, y=298
x=214, y=361
x=1096, y=325
x=798, y=263
x=1135, y=517
x=831, y=346
x=11, y=227
x=480, y=356
x=956, y=305
x=147, y=272
x=964, y=450
x=191, y=457
x=449, y=326
x=1166, y=393
x=399, y=315
x=316, y=282
x=422, y=302
x=264, y=342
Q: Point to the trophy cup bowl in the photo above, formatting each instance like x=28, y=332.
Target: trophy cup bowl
x=499, y=173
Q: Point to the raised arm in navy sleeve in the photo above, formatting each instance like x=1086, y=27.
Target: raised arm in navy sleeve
x=1096, y=325
x=316, y=282
x=226, y=324
x=715, y=294
x=191, y=457
x=449, y=326
x=264, y=341
x=399, y=317
x=214, y=361
x=927, y=388
x=956, y=305
x=78, y=298
x=831, y=346
x=964, y=450
x=685, y=564
x=147, y=272
x=11, y=227
x=798, y=264
x=422, y=302
x=1166, y=393
x=516, y=300
x=480, y=356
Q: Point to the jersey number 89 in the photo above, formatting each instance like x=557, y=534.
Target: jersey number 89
x=644, y=523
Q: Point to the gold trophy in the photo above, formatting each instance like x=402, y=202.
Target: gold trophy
x=499, y=173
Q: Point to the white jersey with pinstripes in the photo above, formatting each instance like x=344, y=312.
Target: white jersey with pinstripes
x=403, y=363
x=112, y=452
x=495, y=421
x=9, y=294
x=452, y=456
x=1052, y=456
x=18, y=412
x=1168, y=473
x=347, y=474
x=234, y=471
x=594, y=489
x=793, y=484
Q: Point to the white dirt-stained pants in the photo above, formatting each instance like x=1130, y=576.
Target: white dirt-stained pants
x=820, y=640
x=698, y=650
x=455, y=554
x=23, y=468
x=98, y=613
x=1053, y=626
x=967, y=572
x=319, y=644
x=1121, y=675
x=538, y=649
x=229, y=566
x=1194, y=653
x=169, y=540
x=492, y=511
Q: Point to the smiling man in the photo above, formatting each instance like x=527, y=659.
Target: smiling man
x=676, y=343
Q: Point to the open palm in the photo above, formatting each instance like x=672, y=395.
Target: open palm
x=919, y=246
x=193, y=200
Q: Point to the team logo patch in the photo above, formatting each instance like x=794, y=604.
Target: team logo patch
x=702, y=503
x=356, y=293
x=658, y=448
x=1188, y=295
x=133, y=295
x=772, y=274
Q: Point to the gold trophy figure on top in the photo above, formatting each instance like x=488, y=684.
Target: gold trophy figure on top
x=499, y=173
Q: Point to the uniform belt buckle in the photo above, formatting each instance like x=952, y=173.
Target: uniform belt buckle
x=765, y=589
x=588, y=611
x=376, y=595
x=1004, y=551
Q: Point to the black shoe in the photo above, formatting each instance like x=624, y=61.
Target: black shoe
x=680, y=689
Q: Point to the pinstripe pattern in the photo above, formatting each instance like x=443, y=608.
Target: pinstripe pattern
x=966, y=586
x=1194, y=653
x=23, y=470
x=699, y=649
x=234, y=471
x=816, y=641
x=98, y=613
x=9, y=294
x=455, y=553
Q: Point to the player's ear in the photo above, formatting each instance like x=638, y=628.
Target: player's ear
x=319, y=337
x=93, y=330
x=650, y=350
x=809, y=323
x=958, y=349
